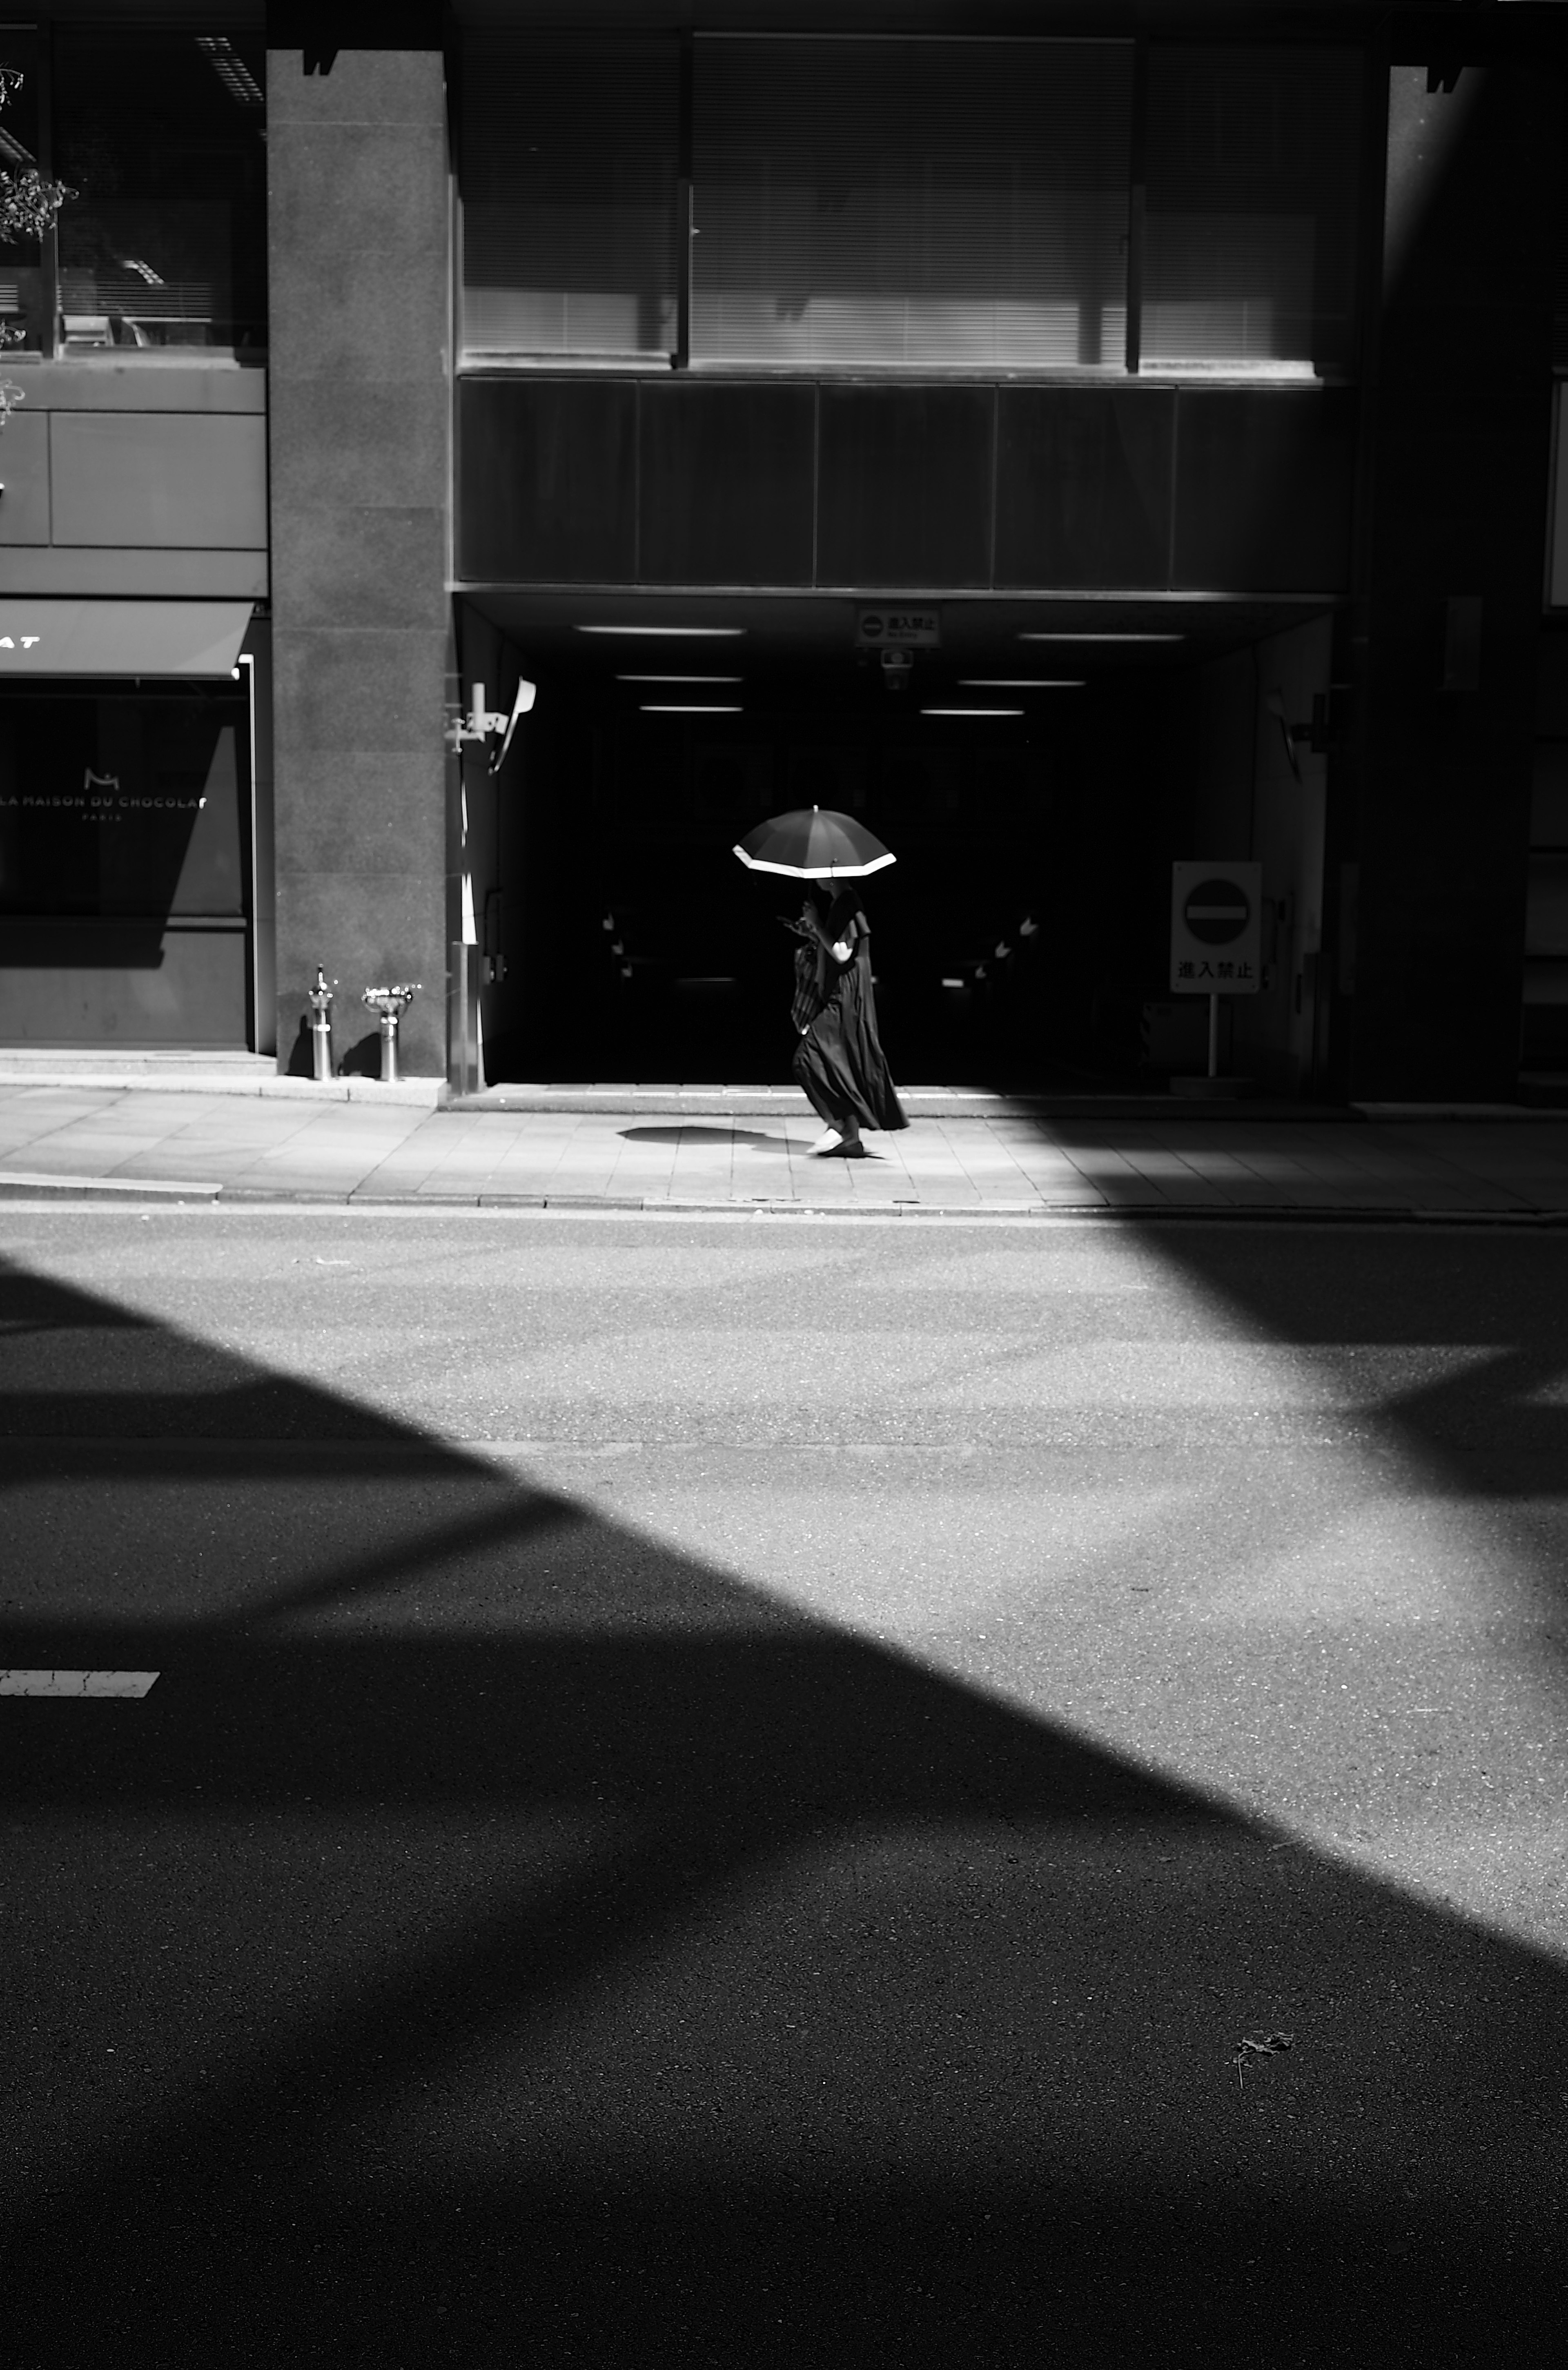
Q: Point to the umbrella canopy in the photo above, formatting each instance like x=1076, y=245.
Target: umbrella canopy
x=813, y=844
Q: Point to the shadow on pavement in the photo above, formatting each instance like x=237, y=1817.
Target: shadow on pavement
x=1362, y=1301
x=501, y=1940
x=681, y=1133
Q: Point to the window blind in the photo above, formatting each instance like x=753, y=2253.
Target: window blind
x=1252, y=167
x=567, y=169
x=934, y=203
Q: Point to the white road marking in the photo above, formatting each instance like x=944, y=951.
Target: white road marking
x=133, y=1683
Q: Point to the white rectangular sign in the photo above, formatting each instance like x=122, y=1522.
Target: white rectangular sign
x=1215, y=927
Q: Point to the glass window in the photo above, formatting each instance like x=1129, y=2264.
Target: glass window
x=122, y=803
x=22, y=306
x=161, y=138
x=566, y=165
x=922, y=204
x=1253, y=160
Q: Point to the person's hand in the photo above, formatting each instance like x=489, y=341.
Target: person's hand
x=841, y=950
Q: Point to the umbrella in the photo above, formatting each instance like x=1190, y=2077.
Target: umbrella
x=813, y=844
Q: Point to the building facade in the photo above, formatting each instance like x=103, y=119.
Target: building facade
x=1074, y=438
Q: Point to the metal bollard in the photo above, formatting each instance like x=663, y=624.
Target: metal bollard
x=389, y=1003
x=321, y=1026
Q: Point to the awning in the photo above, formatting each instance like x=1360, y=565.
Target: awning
x=122, y=637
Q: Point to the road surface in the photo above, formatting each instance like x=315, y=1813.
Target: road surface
x=781, y=1790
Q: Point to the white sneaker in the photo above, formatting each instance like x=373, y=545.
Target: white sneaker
x=828, y=1142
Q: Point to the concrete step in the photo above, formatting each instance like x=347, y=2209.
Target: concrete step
x=202, y=1073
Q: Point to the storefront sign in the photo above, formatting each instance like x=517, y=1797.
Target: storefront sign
x=899, y=629
x=1215, y=928
x=110, y=638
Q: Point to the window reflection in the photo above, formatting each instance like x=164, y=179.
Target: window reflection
x=22, y=305
x=122, y=803
x=927, y=204
x=1252, y=171
x=161, y=138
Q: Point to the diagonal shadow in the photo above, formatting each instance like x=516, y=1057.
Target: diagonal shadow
x=1498, y=1424
x=717, y=1986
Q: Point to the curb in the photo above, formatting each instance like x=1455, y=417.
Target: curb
x=15, y=1186
x=19, y=1189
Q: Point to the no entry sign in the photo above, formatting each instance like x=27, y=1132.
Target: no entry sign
x=899, y=629
x=1215, y=928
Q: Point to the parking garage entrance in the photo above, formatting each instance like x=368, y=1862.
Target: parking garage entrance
x=1034, y=792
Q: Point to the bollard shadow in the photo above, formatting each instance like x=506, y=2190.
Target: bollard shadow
x=302, y=1052
x=500, y=1938
x=363, y=1059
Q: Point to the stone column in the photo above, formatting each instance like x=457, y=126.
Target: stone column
x=1452, y=579
x=359, y=253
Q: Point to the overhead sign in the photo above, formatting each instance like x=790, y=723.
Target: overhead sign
x=1215, y=928
x=899, y=629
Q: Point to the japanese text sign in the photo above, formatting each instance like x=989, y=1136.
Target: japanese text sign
x=1215, y=928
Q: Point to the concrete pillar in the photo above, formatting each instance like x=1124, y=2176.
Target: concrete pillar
x=361, y=401
x=1451, y=591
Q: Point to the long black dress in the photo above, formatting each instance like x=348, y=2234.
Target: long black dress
x=840, y=1060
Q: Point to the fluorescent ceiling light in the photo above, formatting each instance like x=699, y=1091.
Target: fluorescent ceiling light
x=678, y=678
x=687, y=707
x=971, y=711
x=1021, y=682
x=685, y=632
x=1102, y=637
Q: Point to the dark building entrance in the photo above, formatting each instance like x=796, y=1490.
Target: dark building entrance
x=1034, y=790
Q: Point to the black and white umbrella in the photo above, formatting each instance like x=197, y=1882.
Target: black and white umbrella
x=815, y=843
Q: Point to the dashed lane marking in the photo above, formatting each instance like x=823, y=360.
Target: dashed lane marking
x=132, y=1684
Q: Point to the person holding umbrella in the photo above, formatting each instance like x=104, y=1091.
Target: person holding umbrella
x=838, y=1057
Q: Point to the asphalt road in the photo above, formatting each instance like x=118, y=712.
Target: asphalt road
x=731, y=1792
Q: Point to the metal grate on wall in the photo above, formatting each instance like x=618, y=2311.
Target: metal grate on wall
x=567, y=167
x=913, y=203
x=909, y=204
x=1252, y=167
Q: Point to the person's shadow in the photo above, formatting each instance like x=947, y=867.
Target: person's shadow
x=679, y=1132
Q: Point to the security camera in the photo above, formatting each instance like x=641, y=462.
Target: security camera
x=482, y=723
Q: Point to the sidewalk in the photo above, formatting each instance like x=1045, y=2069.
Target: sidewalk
x=107, y=1143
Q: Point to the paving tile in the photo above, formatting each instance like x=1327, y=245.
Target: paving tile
x=1002, y=1161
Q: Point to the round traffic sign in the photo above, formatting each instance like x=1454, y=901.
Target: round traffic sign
x=1217, y=911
